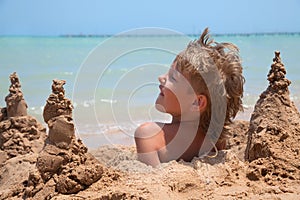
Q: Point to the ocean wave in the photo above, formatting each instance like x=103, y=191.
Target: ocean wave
x=88, y=103
x=67, y=73
x=111, y=101
x=36, y=109
x=91, y=102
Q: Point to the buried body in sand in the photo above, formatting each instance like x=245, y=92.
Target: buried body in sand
x=261, y=160
x=202, y=92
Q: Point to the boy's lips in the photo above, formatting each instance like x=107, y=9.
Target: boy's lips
x=161, y=90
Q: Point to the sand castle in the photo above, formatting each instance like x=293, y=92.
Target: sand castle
x=34, y=165
x=63, y=166
x=19, y=133
x=15, y=103
x=22, y=137
x=57, y=104
x=274, y=133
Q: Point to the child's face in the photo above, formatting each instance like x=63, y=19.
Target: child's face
x=175, y=95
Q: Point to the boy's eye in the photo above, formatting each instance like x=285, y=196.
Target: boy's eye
x=173, y=78
x=172, y=75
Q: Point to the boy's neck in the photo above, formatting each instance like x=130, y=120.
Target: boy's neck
x=184, y=124
x=185, y=120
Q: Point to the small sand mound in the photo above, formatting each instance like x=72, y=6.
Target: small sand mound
x=274, y=133
x=237, y=138
x=21, y=135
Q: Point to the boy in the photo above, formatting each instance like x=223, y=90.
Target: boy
x=202, y=92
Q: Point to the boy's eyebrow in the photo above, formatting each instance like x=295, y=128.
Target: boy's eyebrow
x=176, y=72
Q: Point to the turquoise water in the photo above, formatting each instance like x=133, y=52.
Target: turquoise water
x=110, y=87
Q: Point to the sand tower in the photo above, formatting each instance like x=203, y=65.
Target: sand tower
x=19, y=133
x=274, y=133
x=63, y=166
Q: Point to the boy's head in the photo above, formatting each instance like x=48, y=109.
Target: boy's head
x=212, y=69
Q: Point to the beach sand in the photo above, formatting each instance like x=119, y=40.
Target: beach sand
x=261, y=160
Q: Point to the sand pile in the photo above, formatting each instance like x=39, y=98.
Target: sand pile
x=237, y=138
x=19, y=133
x=21, y=138
x=63, y=166
x=274, y=133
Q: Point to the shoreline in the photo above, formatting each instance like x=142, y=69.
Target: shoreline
x=110, y=134
x=95, y=137
x=94, y=140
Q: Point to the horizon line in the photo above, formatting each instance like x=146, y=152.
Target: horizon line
x=152, y=35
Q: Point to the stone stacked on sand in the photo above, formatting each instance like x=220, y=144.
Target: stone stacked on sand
x=274, y=134
x=19, y=133
x=63, y=166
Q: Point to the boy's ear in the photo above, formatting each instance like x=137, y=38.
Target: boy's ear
x=199, y=103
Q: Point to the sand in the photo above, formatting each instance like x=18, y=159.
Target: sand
x=261, y=160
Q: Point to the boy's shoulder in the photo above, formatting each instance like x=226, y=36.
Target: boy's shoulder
x=148, y=129
x=149, y=137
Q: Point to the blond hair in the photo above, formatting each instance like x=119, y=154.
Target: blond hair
x=214, y=69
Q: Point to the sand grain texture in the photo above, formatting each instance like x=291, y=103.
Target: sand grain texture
x=274, y=133
x=22, y=137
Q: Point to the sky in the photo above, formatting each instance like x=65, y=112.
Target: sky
x=59, y=17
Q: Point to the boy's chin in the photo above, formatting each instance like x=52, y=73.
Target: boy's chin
x=160, y=108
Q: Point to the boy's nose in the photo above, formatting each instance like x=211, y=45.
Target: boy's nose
x=162, y=79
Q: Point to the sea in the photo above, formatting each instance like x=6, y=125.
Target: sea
x=112, y=81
